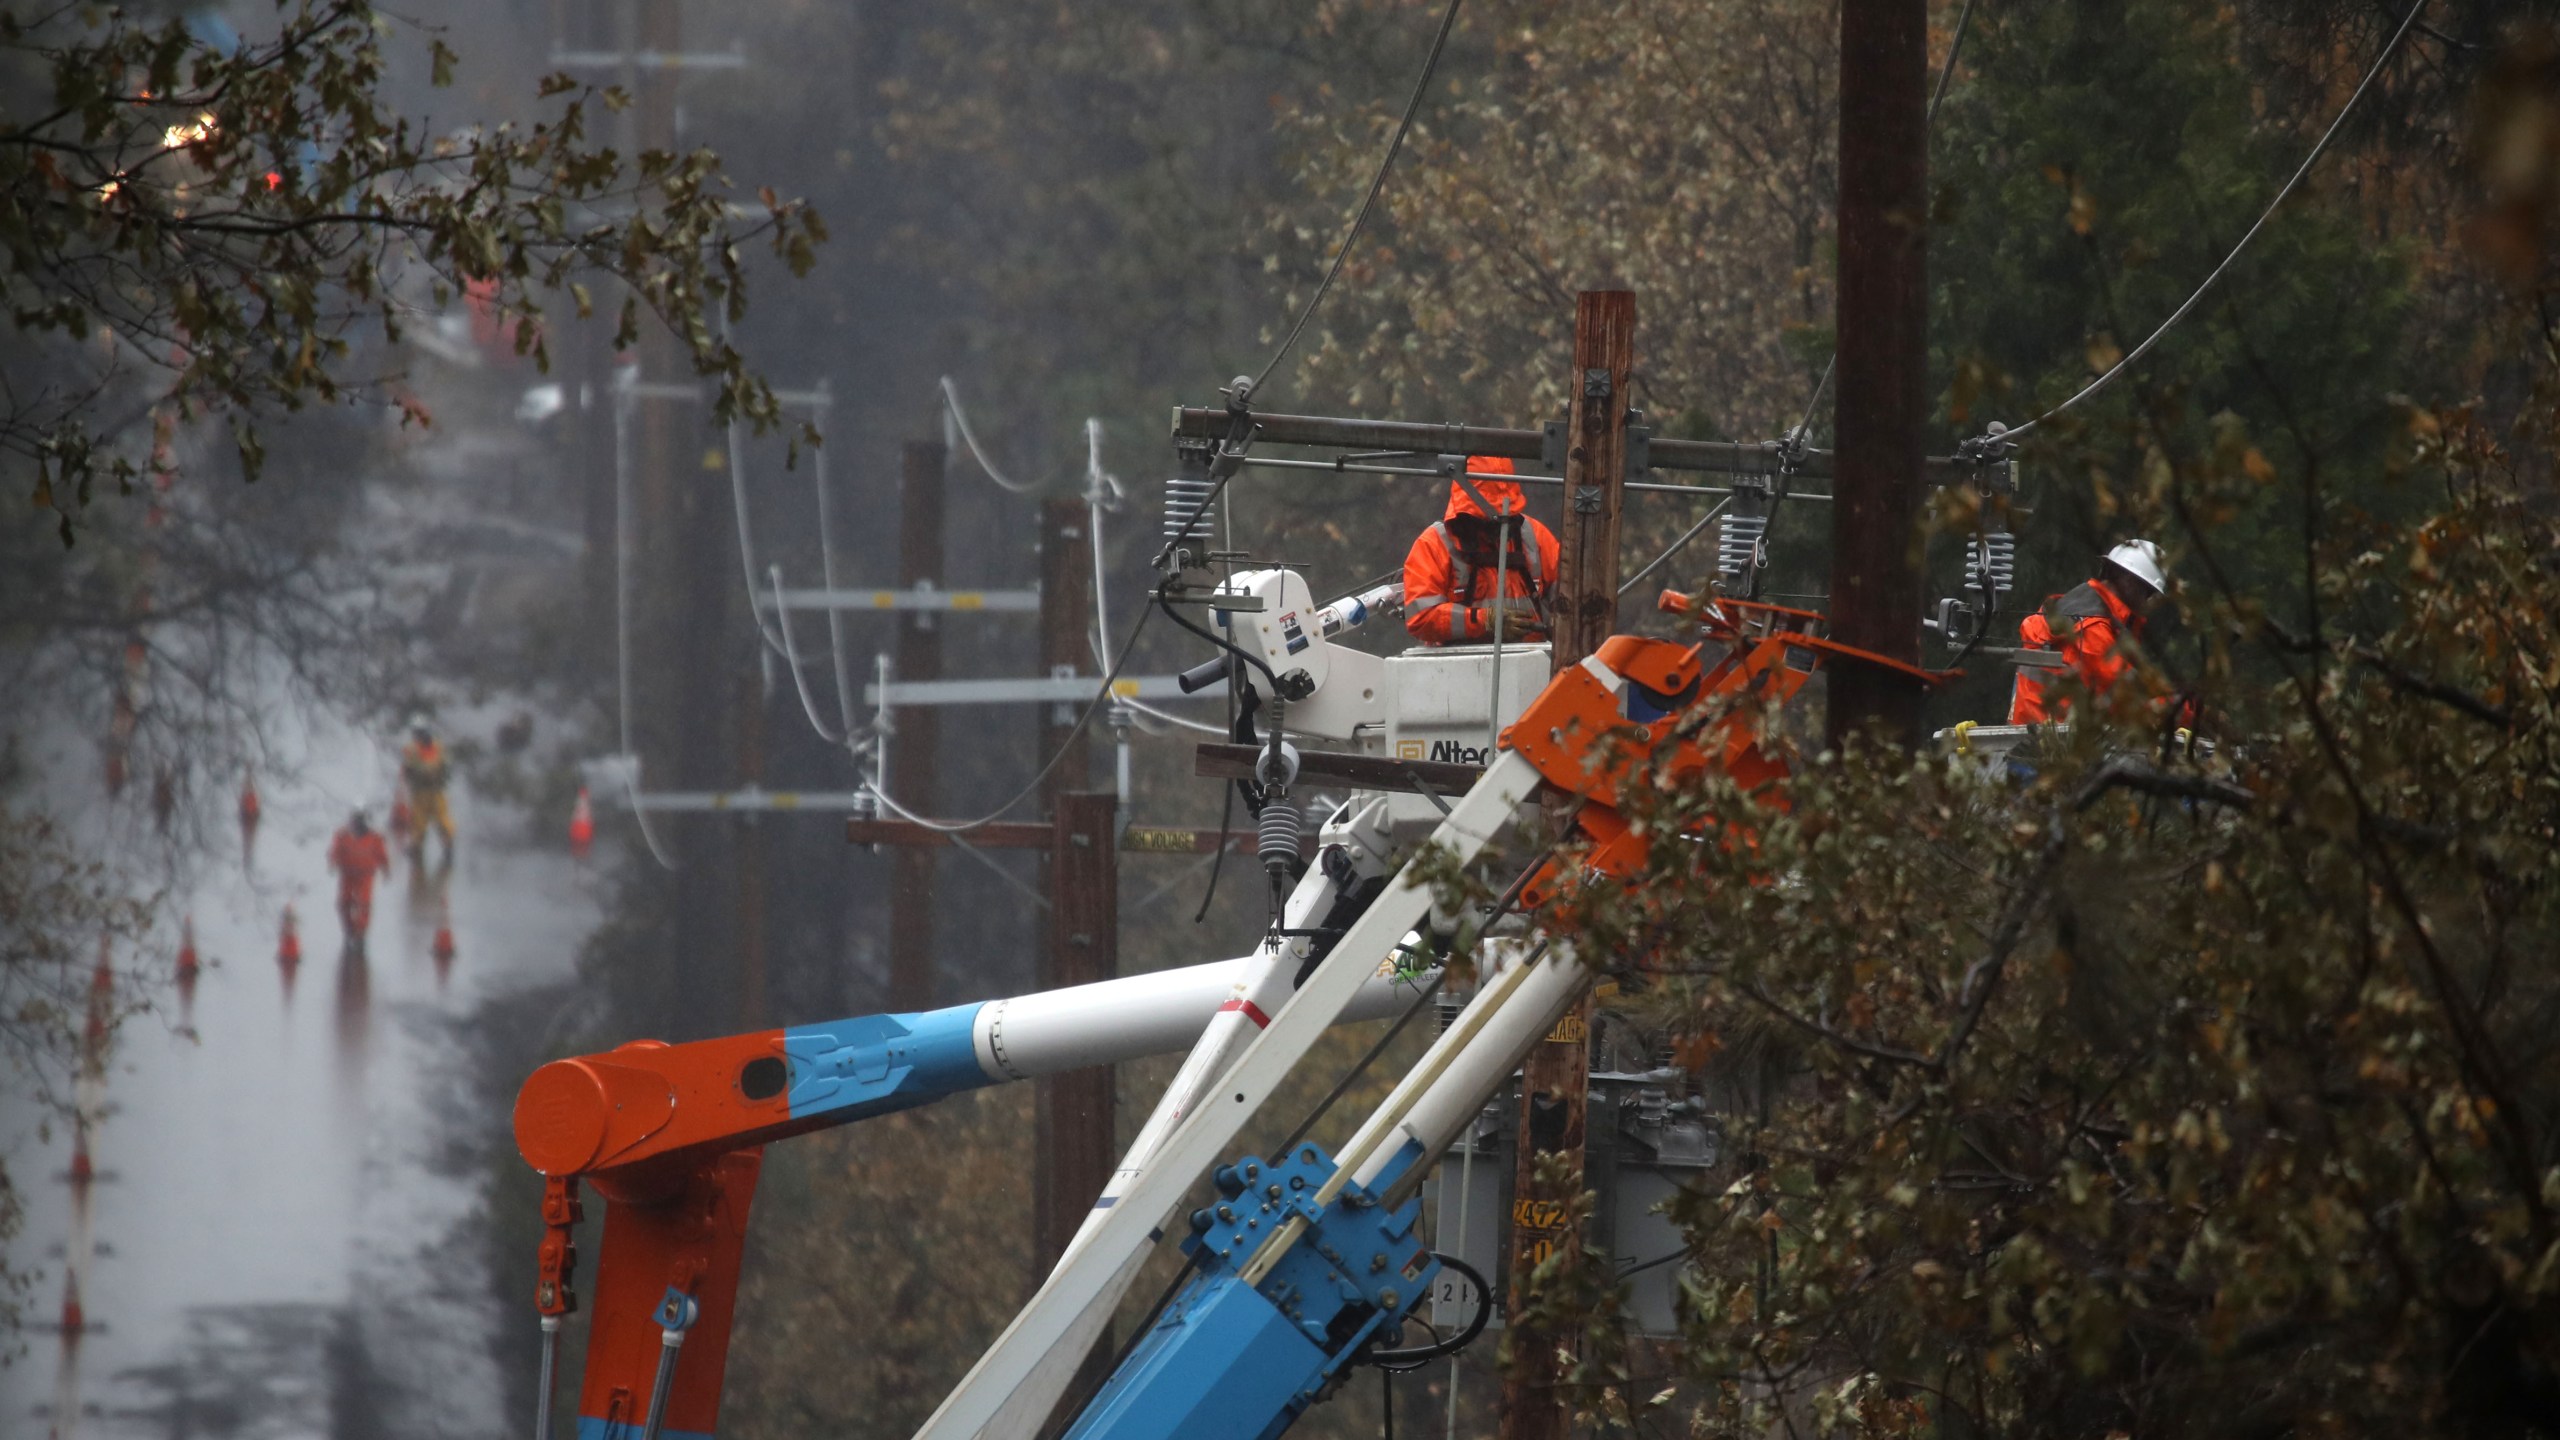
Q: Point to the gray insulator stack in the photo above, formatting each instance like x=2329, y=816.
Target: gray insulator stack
x=1993, y=555
x=1276, y=837
x=1738, y=544
x=1184, y=493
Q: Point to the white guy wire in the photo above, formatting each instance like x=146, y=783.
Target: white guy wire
x=1098, y=484
x=746, y=546
x=960, y=421
x=630, y=759
x=827, y=572
x=1101, y=694
x=1677, y=545
x=791, y=657
x=981, y=856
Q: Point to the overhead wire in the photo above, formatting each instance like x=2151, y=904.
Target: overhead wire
x=628, y=762
x=972, y=851
x=791, y=658
x=827, y=576
x=1678, y=545
x=1102, y=492
x=2128, y=359
x=1386, y=163
x=1101, y=695
x=960, y=422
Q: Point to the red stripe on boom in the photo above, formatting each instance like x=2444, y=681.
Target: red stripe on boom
x=1251, y=1011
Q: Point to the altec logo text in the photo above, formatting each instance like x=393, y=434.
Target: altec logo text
x=1450, y=752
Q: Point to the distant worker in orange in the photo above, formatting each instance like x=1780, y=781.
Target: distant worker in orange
x=428, y=773
x=357, y=854
x=1451, y=572
x=2089, y=624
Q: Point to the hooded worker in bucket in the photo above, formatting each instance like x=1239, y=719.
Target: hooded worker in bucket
x=1485, y=554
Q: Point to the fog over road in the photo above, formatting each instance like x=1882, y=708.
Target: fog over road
x=282, y=1197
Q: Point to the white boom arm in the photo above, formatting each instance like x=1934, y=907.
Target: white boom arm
x=1086, y=1280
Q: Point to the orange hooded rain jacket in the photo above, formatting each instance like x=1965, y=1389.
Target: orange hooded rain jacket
x=1449, y=573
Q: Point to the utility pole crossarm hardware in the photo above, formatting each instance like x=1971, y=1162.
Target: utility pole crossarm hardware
x=921, y=597
x=1411, y=437
x=1053, y=689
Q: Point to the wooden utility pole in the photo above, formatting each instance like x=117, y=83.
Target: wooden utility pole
x=1075, y=1142
x=1555, y=1081
x=1595, y=475
x=1073, y=1154
x=1883, y=347
x=912, y=751
x=686, y=599
x=1072, y=1113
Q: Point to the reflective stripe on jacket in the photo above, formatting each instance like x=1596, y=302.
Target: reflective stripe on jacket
x=2084, y=624
x=1448, y=580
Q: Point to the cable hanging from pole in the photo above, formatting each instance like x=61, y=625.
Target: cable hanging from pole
x=1101, y=696
x=628, y=762
x=1998, y=440
x=960, y=423
x=1386, y=163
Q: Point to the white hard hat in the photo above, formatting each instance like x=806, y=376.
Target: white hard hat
x=2141, y=560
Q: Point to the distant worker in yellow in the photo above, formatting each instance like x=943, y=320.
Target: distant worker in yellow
x=1451, y=573
x=428, y=774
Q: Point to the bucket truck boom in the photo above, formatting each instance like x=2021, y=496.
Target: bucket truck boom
x=671, y=1136
x=1269, y=1321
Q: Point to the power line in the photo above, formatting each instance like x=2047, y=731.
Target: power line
x=1677, y=545
x=1101, y=695
x=960, y=423
x=629, y=761
x=2126, y=361
x=1386, y=163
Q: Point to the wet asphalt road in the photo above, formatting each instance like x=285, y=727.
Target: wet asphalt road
x=280, y=1222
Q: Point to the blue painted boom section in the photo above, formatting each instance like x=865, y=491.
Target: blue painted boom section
x=875, y=1064
x=1231, y=1361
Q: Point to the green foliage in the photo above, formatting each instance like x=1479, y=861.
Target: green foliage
x=2135, y=1091
x=221, y=228
x=2094, y=166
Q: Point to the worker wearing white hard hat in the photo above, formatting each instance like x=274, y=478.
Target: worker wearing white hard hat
x=2087, y=625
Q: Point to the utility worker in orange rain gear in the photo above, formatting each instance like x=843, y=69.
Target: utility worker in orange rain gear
x=1449, y=574
x=2087, y=624
x=357, y=854
x=427, y=772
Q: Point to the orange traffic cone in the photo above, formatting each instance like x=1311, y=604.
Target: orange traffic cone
x=582, y=826
x=187, y=948
x=74, y=1319
x=289, y=944
x=441, y=948
x=83, y=1170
